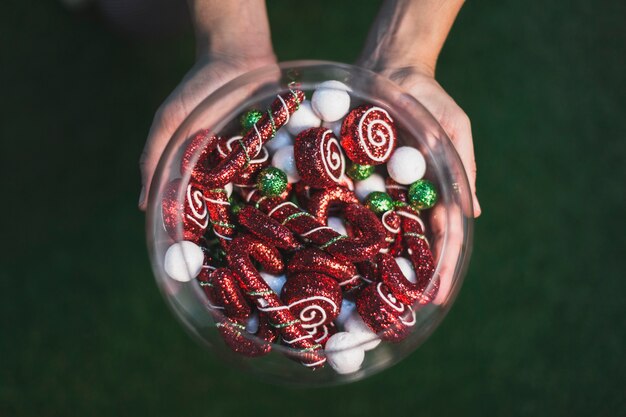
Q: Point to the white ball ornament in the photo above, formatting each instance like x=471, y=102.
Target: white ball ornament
x=331, y=100
x=374, y=182
x=282, y=139
x=334, y=126
x=285, y=160
x=338, y=225
x=407, y=269
x=406, y=165
x=343, y=353
x=183, y=261
x=355, y=325
x=252, y=324
x=347, y=307
x=304, y=118
x=275, y=282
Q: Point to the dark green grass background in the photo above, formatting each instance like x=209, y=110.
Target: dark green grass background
x=539, y=326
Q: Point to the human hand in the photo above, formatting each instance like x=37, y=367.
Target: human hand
x=207, y=75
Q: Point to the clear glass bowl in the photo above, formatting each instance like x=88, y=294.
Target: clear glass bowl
x=451, y=243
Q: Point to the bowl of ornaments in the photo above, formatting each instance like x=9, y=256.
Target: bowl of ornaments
x=309, y=222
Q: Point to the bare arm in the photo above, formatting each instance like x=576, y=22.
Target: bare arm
x=232, y=37
x=404, y=44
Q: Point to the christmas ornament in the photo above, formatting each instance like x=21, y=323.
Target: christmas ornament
x=365, y=337
x=319, y=158
x=316, y=260
x=285, y=160
x=406, y=165
x=360, y=172
x=184, y=211
x=304, y=118
x=383, y=313
x=368, y=135
x=272, y=182
x=422, y=194
x=267, y=229
x=331, y=100
x=183, y=261
x=313, y=298
x=343, y=353
x=249, y=119
x=251, y=143
x=379, y=202
x=374, y=182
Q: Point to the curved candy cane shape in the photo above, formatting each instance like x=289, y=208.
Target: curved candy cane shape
x=267, y=229
x=242, y=249
x=219, y=213
x=316, y=260
x=251, y=143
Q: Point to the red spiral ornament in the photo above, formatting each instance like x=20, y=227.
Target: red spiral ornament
x=184, y=211
x=319, y=158
x=242, y=249
x=315, y=299
x=368, y=135
x=384, y=313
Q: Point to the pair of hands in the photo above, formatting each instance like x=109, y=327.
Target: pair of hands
x=212, y=71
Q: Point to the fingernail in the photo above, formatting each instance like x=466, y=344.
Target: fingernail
x=142, y=196
x=478, y=209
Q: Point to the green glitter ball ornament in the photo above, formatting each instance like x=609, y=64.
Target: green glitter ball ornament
x=271, y=182
x=422, y=194
x=379, y=202
x=235, y=206
x=249, y=119
x=360, y=172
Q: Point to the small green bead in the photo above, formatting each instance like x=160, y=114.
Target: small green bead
x=422, y=194
x=379, y=202
x=272, y=182
x=360, y=172
x=249, y=119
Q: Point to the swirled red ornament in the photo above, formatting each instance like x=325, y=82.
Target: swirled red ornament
x=316, y=260
x=184, y=211
x=313, y=298
x=256, y=289
x=319, y=158
x=368, y=135
x=419, y=253
x=267, y=229
x=384, y=313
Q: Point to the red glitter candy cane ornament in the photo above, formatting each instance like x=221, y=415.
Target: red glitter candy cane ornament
x=267, y=229
x=247, y=175
x=368, y=135
x=250, y=145
x=316, y=260
x=319, y=158
x=391, y=222
x=256, y=289
x=419, y=253
x=397, y=191
x=184, y=211
x=198, y=154
x=220, y=216
x=320, y=201
x=222, y=290
x=313, y=298
x=384, y=313
x=307, y=226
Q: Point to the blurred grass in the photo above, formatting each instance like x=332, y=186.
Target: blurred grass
x=538, y=328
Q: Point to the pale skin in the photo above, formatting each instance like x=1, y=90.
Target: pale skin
x=233, y=37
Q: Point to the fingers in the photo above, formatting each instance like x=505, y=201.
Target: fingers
x=461, y=136
x=447, y=229
x=165, y=122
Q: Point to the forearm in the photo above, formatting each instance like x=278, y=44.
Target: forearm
x=231, y=27
x=409, y=33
